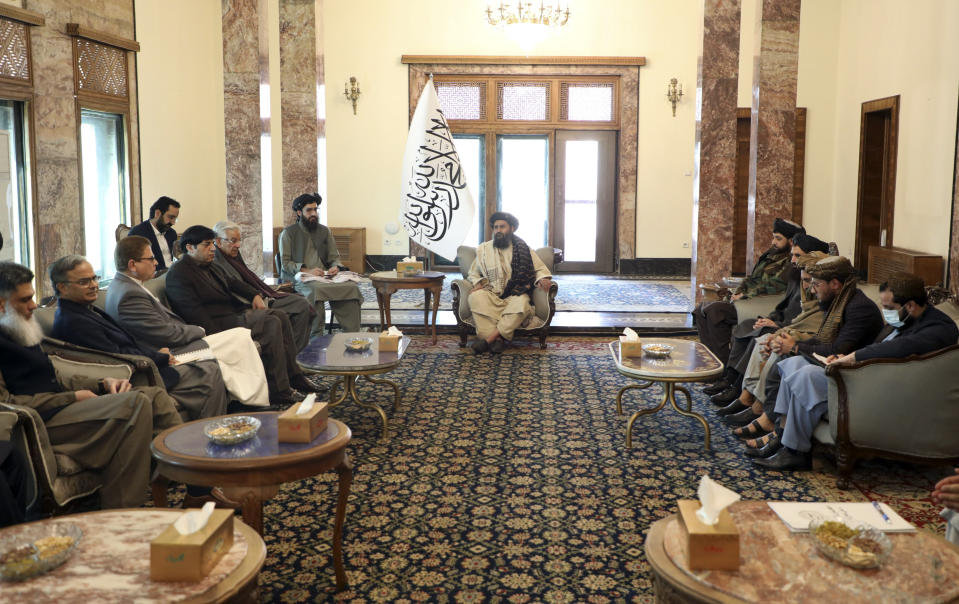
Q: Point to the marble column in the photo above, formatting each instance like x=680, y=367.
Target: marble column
x=773, y=130
x=715, y=159
x=241, y=105
x=954, y=244
x=298, y=85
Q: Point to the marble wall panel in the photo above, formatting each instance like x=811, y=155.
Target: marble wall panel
x=773, y=122
x=954, y=244
x=626, y=178
x=298, y=100
x=716, y=152
x=241, y=104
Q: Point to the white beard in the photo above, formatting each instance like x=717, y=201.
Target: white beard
x=26, y=332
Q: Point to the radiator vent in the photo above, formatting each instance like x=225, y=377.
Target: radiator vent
x=351, y=243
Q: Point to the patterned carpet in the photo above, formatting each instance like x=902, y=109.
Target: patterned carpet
x=576, y=293
x=506, y=480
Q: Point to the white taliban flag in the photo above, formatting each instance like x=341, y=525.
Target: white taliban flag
x=437, y=208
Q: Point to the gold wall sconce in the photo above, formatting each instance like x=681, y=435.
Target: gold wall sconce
x=673, y=94
x=351, y=91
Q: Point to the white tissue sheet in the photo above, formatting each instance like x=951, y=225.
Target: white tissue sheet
x=631, y=336
x=393, y=331
x=192, y=521
x=713, y=499
x=307, y=405
x=409, y=259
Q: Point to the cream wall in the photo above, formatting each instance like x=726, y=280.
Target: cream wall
x=180, y=67
x=365, y=38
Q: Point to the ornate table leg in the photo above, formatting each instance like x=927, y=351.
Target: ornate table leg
x=351, y=385
x=345, y=472
x=427, y=291
x=394, y=385
x=688, y=412
x=380, y=303
x=334, y=401
x=387, y=296
x=619, y=396
x=437, y=292
x=251, y=501
x=159, y=486
x=638, y=414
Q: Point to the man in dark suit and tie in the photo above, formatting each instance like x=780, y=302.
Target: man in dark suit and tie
x=197, y=387
x=163, y=215
x=201, y=293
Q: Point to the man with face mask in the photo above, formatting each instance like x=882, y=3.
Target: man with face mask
x=163, y=215
x=715, y=320
x=503, y=275
x=801, y=398
x=307, y=246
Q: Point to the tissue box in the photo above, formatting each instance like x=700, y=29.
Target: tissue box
x=408, y=268
x=389, y=343
x=709, y=547
x=176, y=557
x=293, y=428
x=630, y=349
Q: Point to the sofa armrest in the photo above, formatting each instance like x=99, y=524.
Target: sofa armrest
x=143, y=371
x=757, y=306
x=544, y=303
x=461, y=292
x=908, y=406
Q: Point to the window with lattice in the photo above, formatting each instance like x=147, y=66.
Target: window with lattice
x=462, y=100
x=586, y=101
x=14, y=50
x=522, y=101
x=101, y=68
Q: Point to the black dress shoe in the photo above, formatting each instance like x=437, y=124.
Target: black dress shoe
x=479, y=345
x=784, y=459
x=305, y=384
x=497, y=346
x=738, y=420
x=725, y=397
x=766, y=450
x=717, y=387
x=734, y=407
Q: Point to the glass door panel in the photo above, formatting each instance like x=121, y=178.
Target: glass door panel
x=523, y=184
x=579, y=207
x=103, y=155
x=471, y=149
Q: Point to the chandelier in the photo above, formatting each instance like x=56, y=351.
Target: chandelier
x=526, y=24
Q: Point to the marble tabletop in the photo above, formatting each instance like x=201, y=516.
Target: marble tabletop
x=112, y=562
x=329, y=353
x=777, y=565
x=394, y=276
x=688, y=360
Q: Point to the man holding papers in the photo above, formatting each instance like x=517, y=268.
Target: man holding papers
x=801, y=399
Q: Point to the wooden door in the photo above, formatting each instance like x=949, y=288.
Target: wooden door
x=875, y=202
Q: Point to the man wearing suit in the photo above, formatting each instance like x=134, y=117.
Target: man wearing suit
x=103, y=425
x=163, y=215
x=197, y=387
x=204, y=295
x=139, y=312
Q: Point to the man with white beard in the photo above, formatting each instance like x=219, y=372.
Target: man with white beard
x=104, y=425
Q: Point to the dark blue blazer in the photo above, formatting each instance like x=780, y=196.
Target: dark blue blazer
x=87, y=325
x=145, y=229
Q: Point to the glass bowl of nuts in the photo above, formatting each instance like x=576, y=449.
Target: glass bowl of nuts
x=37, y=549
x=232, y=429
x=859, y=547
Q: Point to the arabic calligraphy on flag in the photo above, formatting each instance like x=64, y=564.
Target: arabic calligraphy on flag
x=437, y=208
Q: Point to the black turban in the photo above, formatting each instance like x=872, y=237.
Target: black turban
x=509, y=218
x=787, y=228
x=305, y=199
x=808, y=243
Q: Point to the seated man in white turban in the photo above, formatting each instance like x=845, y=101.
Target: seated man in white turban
x=503, y=276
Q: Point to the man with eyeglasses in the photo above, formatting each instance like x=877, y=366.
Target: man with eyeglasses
x=229, y=258
x=137, y=310
x=163, y=215
x=201, y=293
x=197, y=387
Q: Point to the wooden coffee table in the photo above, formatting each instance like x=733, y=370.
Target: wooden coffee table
x=112, y=563
x=776, y=565
x=327, y=355
x=387, y=282
x=689, y=362
x=251, y=472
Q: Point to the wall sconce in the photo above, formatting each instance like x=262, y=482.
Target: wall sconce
x=351, y=91
x=673, y=94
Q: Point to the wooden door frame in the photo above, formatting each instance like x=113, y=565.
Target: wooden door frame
x=892, y=150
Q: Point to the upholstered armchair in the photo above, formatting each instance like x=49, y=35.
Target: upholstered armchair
x=906, y=409
x=544, y=303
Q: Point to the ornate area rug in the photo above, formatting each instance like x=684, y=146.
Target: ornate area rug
x=507, y=480
x=576, y=293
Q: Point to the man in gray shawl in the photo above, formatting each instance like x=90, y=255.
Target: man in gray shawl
x=308, y=247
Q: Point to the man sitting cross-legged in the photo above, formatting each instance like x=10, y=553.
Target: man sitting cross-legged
x=204, y=295
x=503, y=275
x=229, y=258
x=140, y=313
x=197, y=387
x=103, y=425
